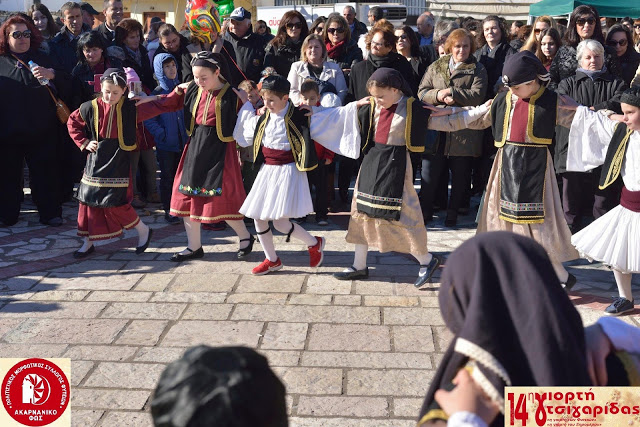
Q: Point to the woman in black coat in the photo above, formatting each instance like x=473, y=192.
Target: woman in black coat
x=381, y=44
x=341, y=48
x=408, y=46
x=584, y=23
x=129, y=37
x=28, y=122
x=620, y=39
x=593, y=86
x=284, y=49
x=494, y=51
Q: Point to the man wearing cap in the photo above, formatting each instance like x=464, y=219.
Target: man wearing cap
x=113, y=12
x=88, y=13
x=248, y=45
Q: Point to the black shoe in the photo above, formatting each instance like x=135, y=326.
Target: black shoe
x=619, y=306
x=570, y=283
x=53, y=222
x=353, y=274
x=173, y=220
x=431, y=268
x=79, y=255
x=178, y=257
x=141, y=249
x=246, y=251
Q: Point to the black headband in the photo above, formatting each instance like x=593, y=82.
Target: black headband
x=205, y=59
x=117, y=75
x=631, y=96
x=391, y=78
x=523, y=67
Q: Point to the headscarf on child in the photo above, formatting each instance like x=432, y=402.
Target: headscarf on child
x=391, y=78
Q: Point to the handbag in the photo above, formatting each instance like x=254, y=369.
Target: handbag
x=62, y=111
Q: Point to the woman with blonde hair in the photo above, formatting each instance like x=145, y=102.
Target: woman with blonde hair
x=541, y=23
x=313, y=65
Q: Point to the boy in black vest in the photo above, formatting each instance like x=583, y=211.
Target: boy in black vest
x=283, y=152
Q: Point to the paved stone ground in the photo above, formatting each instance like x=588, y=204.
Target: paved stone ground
x=351, y=354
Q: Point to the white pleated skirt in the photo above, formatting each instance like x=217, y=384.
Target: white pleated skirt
x=279, y=191
x=613, y=239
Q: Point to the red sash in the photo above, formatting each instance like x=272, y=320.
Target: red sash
x=630, y=199
x=277, y=157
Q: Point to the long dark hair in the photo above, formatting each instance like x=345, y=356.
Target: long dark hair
x=281, y=35
x=52, y=27
x=555, y=35
x=571, y=37
x=36, y=36
x=88, y=40
x=621, y=29
x=413, y=40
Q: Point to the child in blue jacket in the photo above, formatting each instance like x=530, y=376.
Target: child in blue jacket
x=168, y=131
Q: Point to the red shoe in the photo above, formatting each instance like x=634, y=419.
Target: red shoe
x=267, y=267
x=316, y=252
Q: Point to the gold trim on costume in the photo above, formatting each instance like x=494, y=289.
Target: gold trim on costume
x=407, y=128
x=616, y=162
x=257, y=141
x=630, y=367
x=215, y=218
x=194, y=111
x=179, y=212
x=507, y=116
x=434, y=414
x=207, y=103
x=221, y=137
x=532, y=106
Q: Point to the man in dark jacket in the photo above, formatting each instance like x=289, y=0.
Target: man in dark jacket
x=357, y=28
x=63, y=45
x=113, y=13
x=249, y=47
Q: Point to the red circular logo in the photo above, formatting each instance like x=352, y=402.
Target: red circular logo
x=35, y=392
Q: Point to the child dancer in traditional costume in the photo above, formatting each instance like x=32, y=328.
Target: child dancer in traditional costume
x=284, y=152
x=614, y=238
x=385, y=212
x=522, y=194
x=208, y=185
x=106, y=128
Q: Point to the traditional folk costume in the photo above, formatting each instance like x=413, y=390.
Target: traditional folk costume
x=486, y=299
x=105, y=191
x=614, y=238
x=522, y=193
x=208, y=184
x=284, y=151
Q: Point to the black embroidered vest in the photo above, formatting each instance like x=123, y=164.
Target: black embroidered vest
x=415, y=128
x=615, y=156
x=226, y=104
x=541, y=124
x=126, y=119
x=298, y=134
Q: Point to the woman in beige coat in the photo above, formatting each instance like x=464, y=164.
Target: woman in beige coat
x=456, y=79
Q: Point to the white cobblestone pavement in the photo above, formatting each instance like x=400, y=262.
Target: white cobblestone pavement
x=350, y=353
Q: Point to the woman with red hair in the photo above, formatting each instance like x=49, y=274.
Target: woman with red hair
x=28, y=122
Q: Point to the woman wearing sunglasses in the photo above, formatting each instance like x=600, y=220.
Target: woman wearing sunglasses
x=636, y=34
x=286, y=47
x=541, y=23
x=318, y=25
x=409, y=47
x=341, y=49
x=584, y=23
x=29, y=127
x=620, y=39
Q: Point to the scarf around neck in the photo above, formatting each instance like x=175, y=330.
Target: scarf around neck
x=335, y=52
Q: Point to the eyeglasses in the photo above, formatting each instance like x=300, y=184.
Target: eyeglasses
x=614, y=43
x=636, y=26
x=339, y=30
x=319, y=29
x=18, y=35
x=537, y=30
x=376, y=44
x=403, y=37
x=292, y=25
x=582, y=21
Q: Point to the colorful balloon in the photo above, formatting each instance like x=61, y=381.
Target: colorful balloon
x=203, y=19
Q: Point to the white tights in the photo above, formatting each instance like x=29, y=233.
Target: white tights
x=141, y=228
x=283, y=225
x=360, y=258
x=623, y=280
x=194, y=237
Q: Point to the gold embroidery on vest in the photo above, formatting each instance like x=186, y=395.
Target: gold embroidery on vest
x=616, y=162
